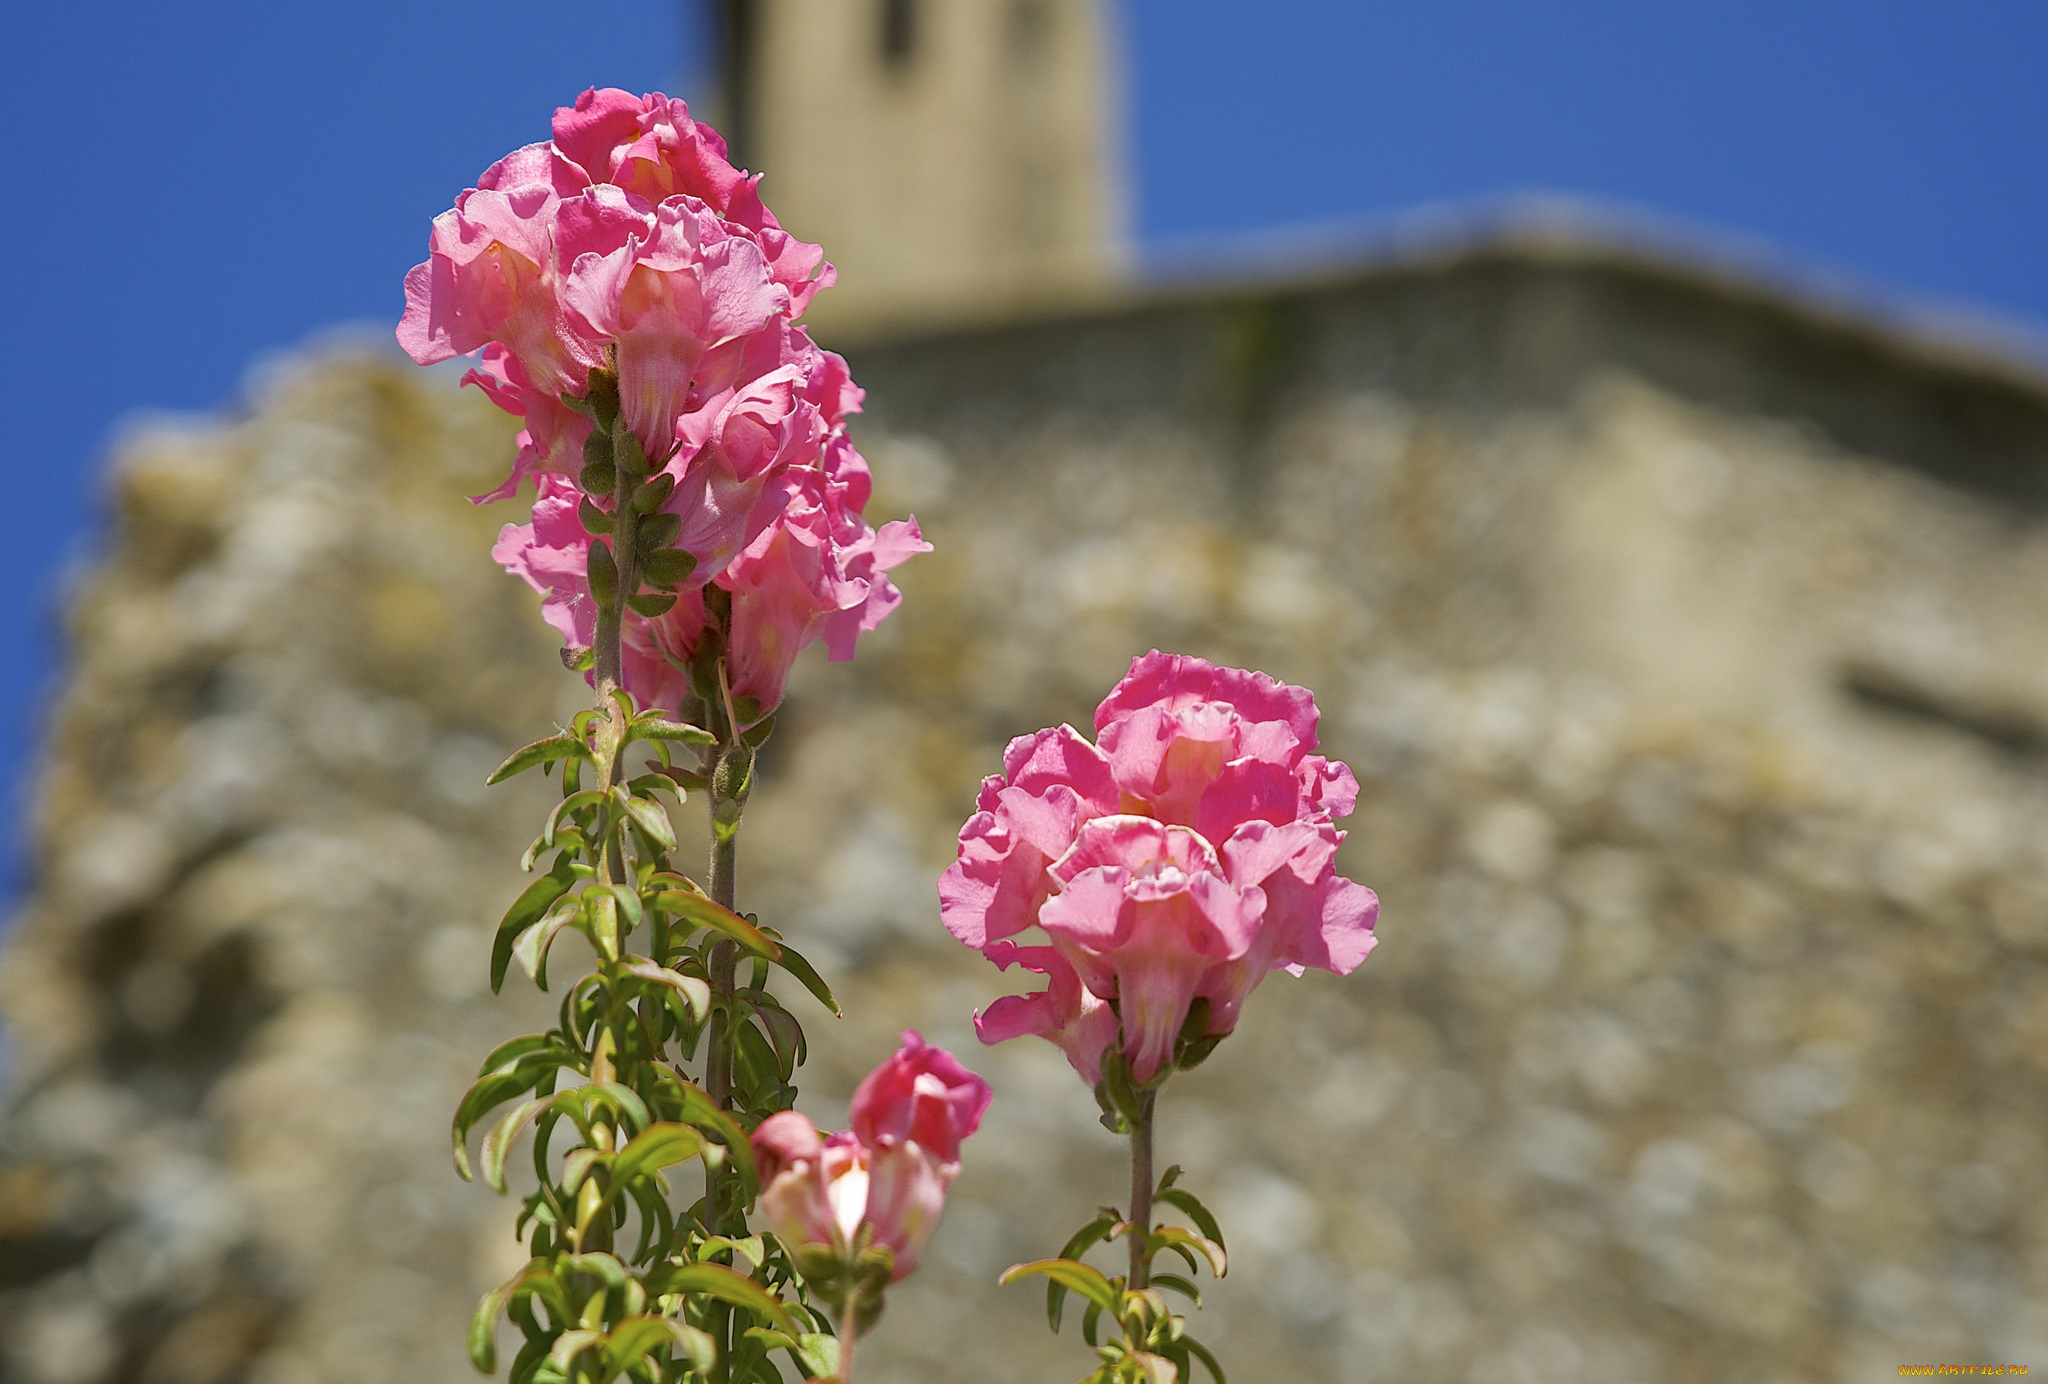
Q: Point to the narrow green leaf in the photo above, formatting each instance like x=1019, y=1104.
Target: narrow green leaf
x=539, y=752
x=695, y=993
x=525, y=911
x=509, y=1053
x=716, y=1280
x=531, y=947
x=660, y=728
x=1184, y=1287
x=571, y=1344
x=793, y=961
x=655, y=1147
x=1081, y=1278
x=486, y=1094
x=605, y=1266
x=623, y=1101
x=498, y=1142
x=1201, y=1352
x=636, y=1337
x=1173, y=1237
x=1192, y=1208
x=650, y=816
x=483, y=1326
x=699, y=911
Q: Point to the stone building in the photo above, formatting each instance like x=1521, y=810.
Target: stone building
x=1682, y=630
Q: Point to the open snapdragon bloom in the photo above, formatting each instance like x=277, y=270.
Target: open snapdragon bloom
x=1182, y=856
x=882, y=1183
x=626, y=265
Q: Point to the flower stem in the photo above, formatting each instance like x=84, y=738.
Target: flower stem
x=1141, y=1191
x=849, y=1328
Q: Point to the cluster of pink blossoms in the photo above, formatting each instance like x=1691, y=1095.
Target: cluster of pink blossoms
x=881, y=1183
x=628, y=259
x=1181, y=857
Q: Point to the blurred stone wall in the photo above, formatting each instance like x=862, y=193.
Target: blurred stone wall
x=1685, y=641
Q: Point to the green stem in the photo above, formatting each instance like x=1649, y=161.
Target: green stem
x=849, y=1330
x=1141, y=1191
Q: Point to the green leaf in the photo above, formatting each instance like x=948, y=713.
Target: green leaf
x=636, y=1337
x=1173, y=1237
x=1069, y=1273
x=704, y=1113
x=1180, y=1285
x=487, y=1094
x=793, y=961
x=525, y=911
x=694, y=992
x=539, y=752
x=815, y=1352
x=660, y=728
x=571, y=1344
x=498, y=1143
x=1201, y=1352
x=1089, y=1234
x=566, y=810
x=623, y=1102
x=657, y=1146
x=699, y=911
x=716, y=1280
x=650, y=816
x=483, y=1326
x=1193, y=1209
x=651, y=603
x=532, y=945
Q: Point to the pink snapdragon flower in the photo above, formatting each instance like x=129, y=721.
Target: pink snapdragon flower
x=1185, y=854
x=627, y=251
x=815, y=572
x=881, y=1183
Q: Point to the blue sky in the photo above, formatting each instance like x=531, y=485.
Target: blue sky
x=200, y=184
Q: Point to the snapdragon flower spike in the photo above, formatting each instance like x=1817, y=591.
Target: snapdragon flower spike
x=880, y=1185
x=628, y=258
x=1183, y=856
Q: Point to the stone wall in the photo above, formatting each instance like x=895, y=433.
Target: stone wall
x=1685, y=645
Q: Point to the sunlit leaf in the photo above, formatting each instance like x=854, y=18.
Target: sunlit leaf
x=498, y=1143
x=486, y=1094
x=793, y=961
x=716, y=1280
x=1070, y=1273
x=699, y=911
x=657, y=728
x=539, y=752
x=1193, y=1209
x=525, y=911
x=657, y=1146
x=650, y=816
x=695, y=993
x=1173, y=1236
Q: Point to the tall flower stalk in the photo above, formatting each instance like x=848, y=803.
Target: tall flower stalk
x=1167, y=868
x=697, y=521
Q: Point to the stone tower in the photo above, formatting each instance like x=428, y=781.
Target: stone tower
x=957, y=157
